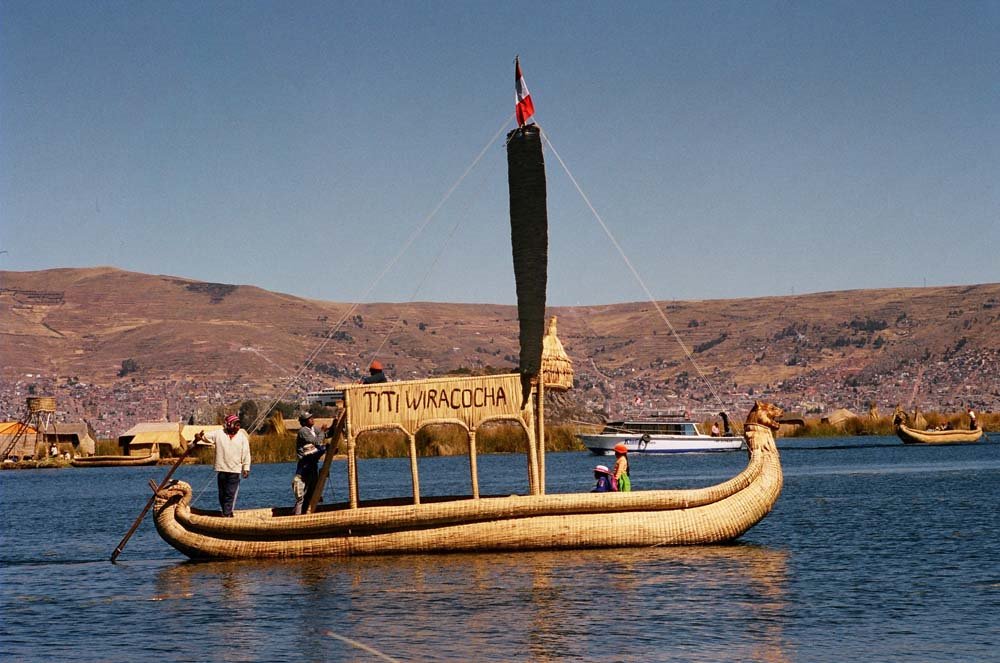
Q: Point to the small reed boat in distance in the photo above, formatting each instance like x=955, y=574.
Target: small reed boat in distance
x=932, y=437
x=115, y=461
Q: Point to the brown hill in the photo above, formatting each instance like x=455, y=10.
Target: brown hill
x=126, y=332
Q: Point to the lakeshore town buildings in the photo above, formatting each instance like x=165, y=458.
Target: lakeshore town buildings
x=949, y=386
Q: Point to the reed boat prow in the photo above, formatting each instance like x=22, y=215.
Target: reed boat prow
x=714, y=514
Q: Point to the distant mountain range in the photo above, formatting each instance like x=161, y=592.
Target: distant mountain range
x=936, y=347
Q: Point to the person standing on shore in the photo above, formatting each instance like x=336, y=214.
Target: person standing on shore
x=232, y=460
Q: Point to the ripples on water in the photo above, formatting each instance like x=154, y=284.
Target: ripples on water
x=882, y=552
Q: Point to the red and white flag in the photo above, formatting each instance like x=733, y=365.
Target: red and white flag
x=523, y=108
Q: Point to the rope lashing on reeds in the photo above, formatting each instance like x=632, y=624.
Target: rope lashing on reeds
x=530, y=244
x=635, y=272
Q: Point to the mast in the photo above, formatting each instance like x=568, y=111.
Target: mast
x=529, y=243
x=529, y=237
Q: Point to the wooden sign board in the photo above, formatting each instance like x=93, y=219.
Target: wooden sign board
x=414, y=403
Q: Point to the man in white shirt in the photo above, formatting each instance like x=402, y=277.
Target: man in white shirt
x=232, y=460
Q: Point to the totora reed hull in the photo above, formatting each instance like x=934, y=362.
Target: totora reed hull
x=912, y=436
x=713, y=514
x=115, y=461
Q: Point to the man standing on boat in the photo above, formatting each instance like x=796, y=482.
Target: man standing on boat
x=232, y=460
x=972, y=419
x=376, y=376
x=308, y=449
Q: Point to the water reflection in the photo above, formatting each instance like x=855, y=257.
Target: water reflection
x=705, y=603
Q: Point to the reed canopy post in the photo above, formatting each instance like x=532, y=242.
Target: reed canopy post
x=540, y=434
x=473, y=465
x=414, y=474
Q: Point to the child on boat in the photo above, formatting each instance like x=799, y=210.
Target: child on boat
x=621, y=473
x=605, y=482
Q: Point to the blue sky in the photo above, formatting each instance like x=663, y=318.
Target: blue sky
x=734, y=149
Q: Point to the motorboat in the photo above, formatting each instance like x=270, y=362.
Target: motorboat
x=659, y=434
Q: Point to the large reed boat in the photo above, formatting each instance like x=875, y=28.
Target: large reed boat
x=531, y=521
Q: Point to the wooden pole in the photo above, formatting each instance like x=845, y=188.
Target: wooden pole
x=414, y=475
x=324, y=472
x=540, y=436
x=473, y=465
x=352, y=471
x=149, y=504
x=532, y=452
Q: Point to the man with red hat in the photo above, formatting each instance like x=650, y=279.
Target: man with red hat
x=376, y=376
x=232, y=459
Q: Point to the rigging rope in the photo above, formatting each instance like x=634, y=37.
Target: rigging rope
x=440, y=253
x=635, y=273
x=311, y=358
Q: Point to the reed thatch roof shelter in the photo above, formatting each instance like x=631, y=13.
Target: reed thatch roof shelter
x=838, y=417
x=145, y=437
x=188, y=431
x=25, y=446
x=76, y=434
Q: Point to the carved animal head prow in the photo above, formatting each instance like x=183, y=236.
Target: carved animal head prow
x=765, y=414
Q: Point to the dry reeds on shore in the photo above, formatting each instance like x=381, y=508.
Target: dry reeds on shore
x=814, y=427
x=503, y=438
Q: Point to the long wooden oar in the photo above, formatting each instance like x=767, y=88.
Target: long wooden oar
x=149, y=504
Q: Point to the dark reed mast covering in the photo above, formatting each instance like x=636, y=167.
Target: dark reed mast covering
x=529, y=236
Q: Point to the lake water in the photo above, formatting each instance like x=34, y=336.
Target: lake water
x=874, y=552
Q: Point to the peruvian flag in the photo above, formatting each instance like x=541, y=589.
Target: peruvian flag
x=523, y=108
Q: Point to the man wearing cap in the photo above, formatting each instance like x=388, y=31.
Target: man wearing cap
x=308, y=449
x=232, y=460
x=375, y=376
